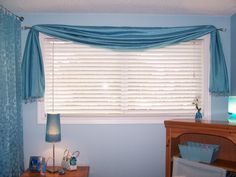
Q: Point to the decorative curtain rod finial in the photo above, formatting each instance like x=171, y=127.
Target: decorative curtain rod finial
x=222, y=29
x=21, y=18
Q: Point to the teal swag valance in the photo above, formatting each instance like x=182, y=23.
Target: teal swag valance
x=131, y=38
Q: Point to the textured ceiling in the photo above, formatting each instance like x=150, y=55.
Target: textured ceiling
x=165, y=7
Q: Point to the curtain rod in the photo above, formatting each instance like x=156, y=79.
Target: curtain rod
x=25, y=27
x=8, y=11
x=29, y=27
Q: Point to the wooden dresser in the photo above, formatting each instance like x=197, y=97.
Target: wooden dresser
x=210, y=132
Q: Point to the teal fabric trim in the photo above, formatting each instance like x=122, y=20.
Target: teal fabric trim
x=124, y=38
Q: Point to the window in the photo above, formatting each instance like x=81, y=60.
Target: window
x=91, y=83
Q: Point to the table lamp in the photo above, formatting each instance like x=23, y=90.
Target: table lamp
x=53, y=135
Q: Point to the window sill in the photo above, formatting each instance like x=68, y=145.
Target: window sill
x=114, y=120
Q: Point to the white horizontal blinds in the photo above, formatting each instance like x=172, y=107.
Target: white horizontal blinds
x=165, y=81
x=87, y=80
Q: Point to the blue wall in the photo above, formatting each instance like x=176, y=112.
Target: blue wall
x=233, y=54
x=116, y=150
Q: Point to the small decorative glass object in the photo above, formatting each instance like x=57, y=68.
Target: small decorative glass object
x=43, y=167
x=198, y=115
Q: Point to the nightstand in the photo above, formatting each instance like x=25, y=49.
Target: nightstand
x=82, y=171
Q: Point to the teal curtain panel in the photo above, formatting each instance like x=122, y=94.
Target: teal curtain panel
x=121, y=38
x=11, y=128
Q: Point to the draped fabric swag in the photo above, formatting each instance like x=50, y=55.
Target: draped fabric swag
x=124, y=38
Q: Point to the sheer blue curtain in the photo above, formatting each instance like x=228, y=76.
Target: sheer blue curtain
x=11, y=129
x=131, y=38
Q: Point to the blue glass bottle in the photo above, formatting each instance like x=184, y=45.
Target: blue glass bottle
x=198, y=116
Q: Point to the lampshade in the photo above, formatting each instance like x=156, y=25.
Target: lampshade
x=53, y=128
